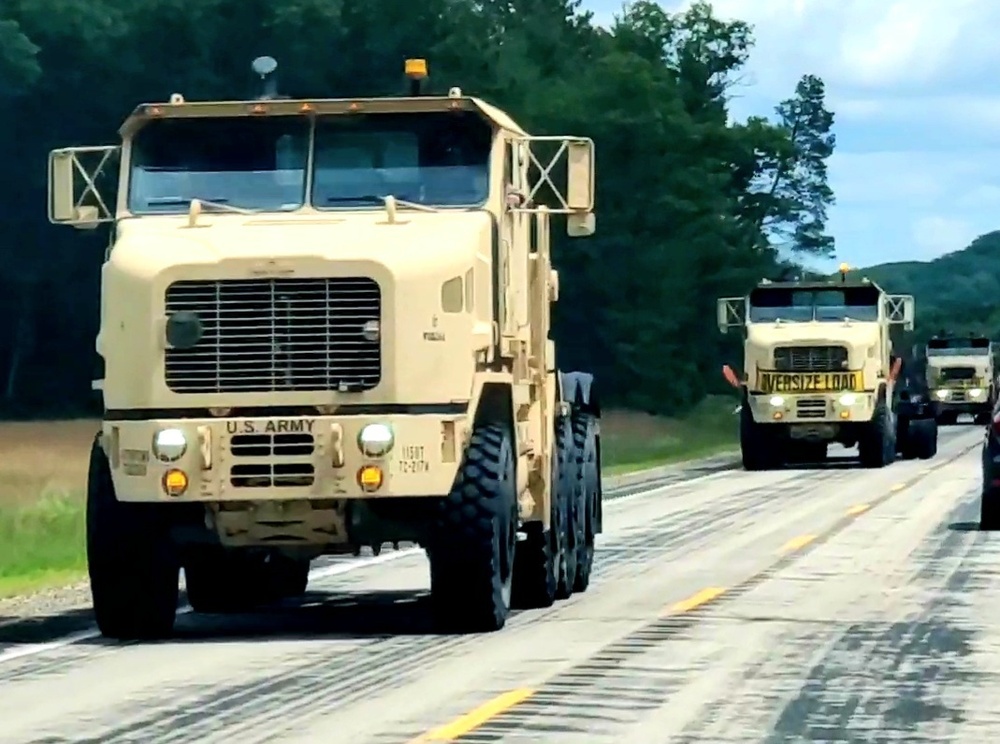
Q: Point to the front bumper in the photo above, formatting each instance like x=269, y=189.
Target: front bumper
x=812, y=408
x=960, y=401
x=272, y=458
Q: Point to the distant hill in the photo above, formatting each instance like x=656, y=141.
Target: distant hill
x=959, y=292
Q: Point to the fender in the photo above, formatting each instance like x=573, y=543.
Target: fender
x=580, y=390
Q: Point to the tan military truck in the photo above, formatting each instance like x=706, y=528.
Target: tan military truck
x=818, y=368
x=960, y=376
x=325, y=325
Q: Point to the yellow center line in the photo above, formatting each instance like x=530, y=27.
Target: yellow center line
x=477, y=717
x=797, y=543
x=696, y=600
x=502, y=703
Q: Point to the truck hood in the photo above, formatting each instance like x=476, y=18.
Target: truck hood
x=814, y=333
x=417, y=243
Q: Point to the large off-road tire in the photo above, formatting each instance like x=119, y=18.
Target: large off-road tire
x=757, y=442
x=472, y=550
x=569, y=492
x=223, y=581
x=921, y=439
x=585, y=449
x=877, y=443
x=989, y=511
x=133, y=566
x=539, y=565
x=289, y=577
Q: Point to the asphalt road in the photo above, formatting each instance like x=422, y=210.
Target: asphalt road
x=818, y=605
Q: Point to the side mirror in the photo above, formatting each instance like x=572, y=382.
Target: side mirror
x=580, y=174
x=575, y=198
x=899, y=310
x=74, y=195
x=730, y=312
x=581, y=225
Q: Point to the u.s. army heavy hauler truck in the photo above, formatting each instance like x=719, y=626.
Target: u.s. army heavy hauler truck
x=960, y=377
x=325, y=325
x=818, y=368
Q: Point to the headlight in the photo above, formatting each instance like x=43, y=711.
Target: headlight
x=848, y=399
x=941, y=394
x=975, y=392
x=375, y=440
x=169, y=445
x=777, y=401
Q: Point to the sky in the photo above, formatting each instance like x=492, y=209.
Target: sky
x=915, y=89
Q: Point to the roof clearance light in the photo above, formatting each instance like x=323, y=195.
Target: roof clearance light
x=416, y=69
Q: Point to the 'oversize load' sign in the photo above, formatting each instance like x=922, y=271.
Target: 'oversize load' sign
x=809, y=382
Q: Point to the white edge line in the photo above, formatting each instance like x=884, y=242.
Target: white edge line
x=33, y=649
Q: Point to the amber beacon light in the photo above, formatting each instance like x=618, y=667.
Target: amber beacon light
x=416, y=71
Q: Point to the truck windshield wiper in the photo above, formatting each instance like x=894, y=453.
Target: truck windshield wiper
x=365, y=198
x=219, y=203
x=382, y=200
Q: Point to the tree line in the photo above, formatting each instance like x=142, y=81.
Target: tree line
x=690, y=205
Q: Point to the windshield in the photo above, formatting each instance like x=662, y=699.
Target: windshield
x=238, y=161
x=769, y=304
x=436, y=159
x=945, y=347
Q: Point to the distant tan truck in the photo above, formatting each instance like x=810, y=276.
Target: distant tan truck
x=818, y=368
x=325, y=325
x=961, y=377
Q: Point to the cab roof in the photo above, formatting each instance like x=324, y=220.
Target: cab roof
x=817, y=285
x=178, y=108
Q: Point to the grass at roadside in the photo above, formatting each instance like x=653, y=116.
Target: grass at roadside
x=635, y=441
x=43, y=470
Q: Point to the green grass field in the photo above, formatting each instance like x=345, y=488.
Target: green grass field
x=43, y=469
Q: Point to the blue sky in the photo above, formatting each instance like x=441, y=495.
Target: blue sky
x=915, y=86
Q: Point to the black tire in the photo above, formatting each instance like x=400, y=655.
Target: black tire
x=904, y=442
x=982, y=418
x=877, y=443
x=585, y=448
x=538, y=567
x=472, y=550
x=569, y=493
x=923, y=437
x=757, y=445
x=989, y=512
x=133, y=566
x=289, y=577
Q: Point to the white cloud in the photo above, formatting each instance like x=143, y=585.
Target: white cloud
x=934, y=235
x=917, y=113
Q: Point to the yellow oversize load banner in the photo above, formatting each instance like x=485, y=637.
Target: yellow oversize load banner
x=809, y=382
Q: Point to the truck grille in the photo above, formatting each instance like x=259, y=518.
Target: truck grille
x=284, y=460
x=810, y=358
x=810, y=408
x=264, y=335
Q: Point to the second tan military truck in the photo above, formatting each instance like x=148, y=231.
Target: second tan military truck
x=818, y=368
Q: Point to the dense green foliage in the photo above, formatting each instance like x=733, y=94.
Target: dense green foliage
x=956, y=293
x=689, y=205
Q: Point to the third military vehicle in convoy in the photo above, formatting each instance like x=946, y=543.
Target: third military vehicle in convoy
x=325, y=325
x=818, y=368
x=960, y=376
